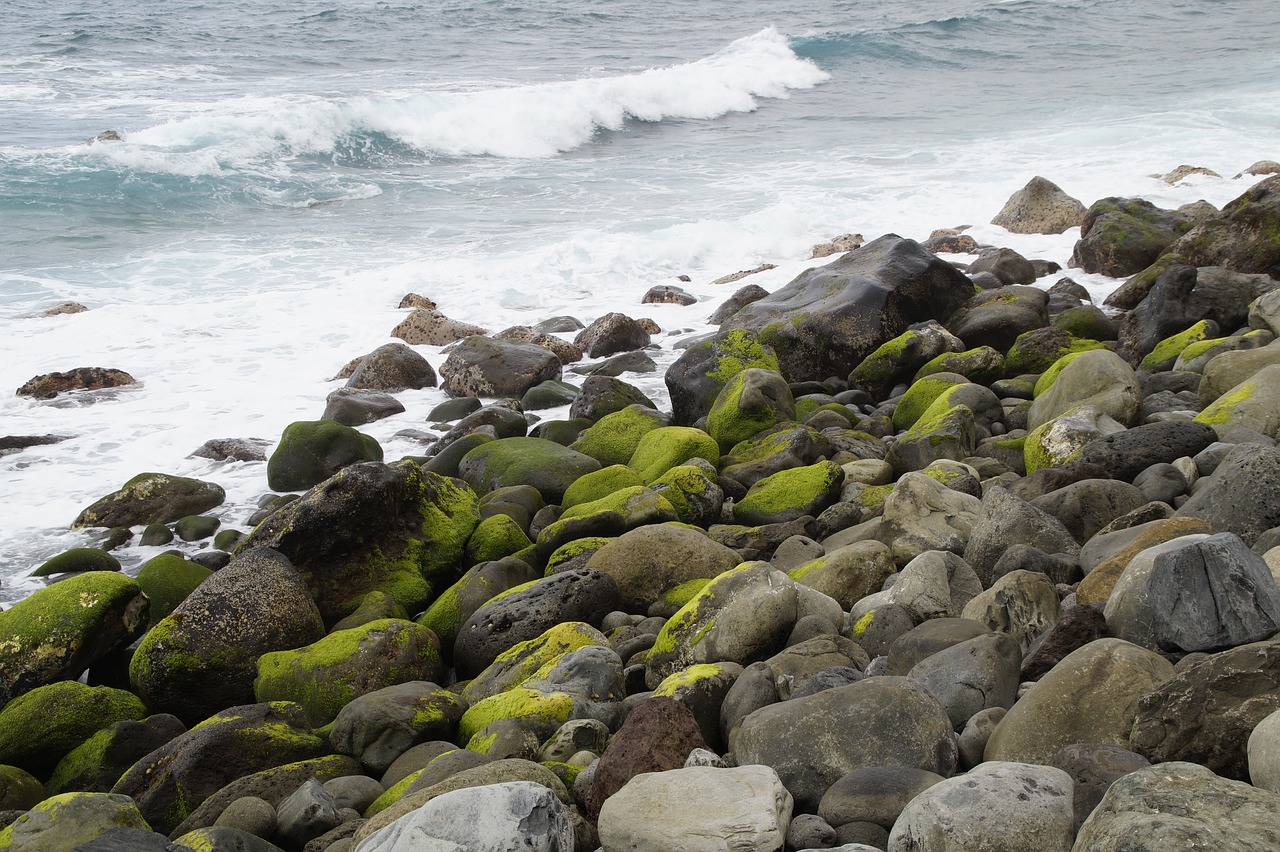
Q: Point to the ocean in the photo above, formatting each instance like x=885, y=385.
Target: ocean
x=287, y=171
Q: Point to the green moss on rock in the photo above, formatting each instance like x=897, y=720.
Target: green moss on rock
x=600, y=483
x=37, y=729
x=665, y=448
x=613, y=438
x=1166, y=352
x=167, y=579
x=496, y=536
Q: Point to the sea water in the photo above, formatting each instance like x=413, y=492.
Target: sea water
x=287, y=171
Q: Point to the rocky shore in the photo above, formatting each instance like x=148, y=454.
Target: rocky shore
x=924, y=555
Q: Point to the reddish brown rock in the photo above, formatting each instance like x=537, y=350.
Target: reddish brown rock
x=49, y=385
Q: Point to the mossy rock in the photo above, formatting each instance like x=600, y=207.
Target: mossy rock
x=59, y=631
x=476, y=587
x=167, y=579
x=392, y=527
x=546, y=465
x=576, y=553
x=552, y=393
x=665, y=448
x=1035, y=351
x=1087, y=322
x=374, y=606
x=944, y=431
x=784, y=446
x=1123, y=236
x=693, y=491
x=196, y=527
x=96, y=764
x=70, y=821
x=921, y=395
x=1049, y=376
x=155, y=535
x=545, y=711
x=311, y=451
x=649, y=560
x=603, y=395
x=496, y=537
x=152, y=498
x=227, y=539
x=19, y=789
x=1060, y=440
x=37, y=729
x=982, y=365
x=701, y=373
x=791, y=494
x=613, y=438
x=325, y=676
x=172, y=781
x=563, y=432
x=76, y=560
x=1166, y=352
x=532, y=659
x=752, y=401
x=613, y=515
x=600, y=483
x=1250, y=404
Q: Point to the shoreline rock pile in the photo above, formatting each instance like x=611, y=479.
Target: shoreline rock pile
x=921, y=558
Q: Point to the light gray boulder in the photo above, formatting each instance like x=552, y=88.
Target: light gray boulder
x=1099, y=378
x=698, y=809
x=935, y=584
x=922, y=514
x=995, y=807
x=1022, y=604
x=974, y=675
x=1264, y=754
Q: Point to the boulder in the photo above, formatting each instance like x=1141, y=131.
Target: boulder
x=71, y=820
x=897, y=360
x=1206, y=711
x=1097, y=378
x=1022, y=604
x=486, y=580
x=77, y=560
x=482, y=366
x=847, y=574
x=58, y=632
x=96, y=764
x=1093, y=769
x=876, y=794
x=971, y=676
x=1242, y=496
x=1107, y=555
x=392, y=367
x=151, y=498
x=1241, y=236
x=752, y=401
x=325, y=676
x=997, y=317
x=736, y=302
x=379, y=726
x=1128, y=453
x=1229, y=369
x=663, y=448
x=1090, y=697
x=49, y=385
x=311, y=451
x=813, y=741
x=38, y=728
x=996, y=806
x=1121, y=236
x=426, y=326
x=203, y=657
x=614, y=437
x=1004, y=520
x=698, y=809
x=791, y=494
x=546, y=465
x=701, y=373
x=1085, y=507
x=1180, y=805
x=1040, y=207
x=491, y=818
x=828, y=319
x=650, y=560
x=1254, y=404
x=172, y=781
x=1195, y=593
x=1264, y=753
x=372, y=526
x=566, y=352
x=934, y=584
x=601, y=395
x=356, y=407
x=609, y=334
x=921, y=514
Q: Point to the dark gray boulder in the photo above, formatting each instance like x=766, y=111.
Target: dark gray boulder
x=1085, y=507
x=610, y=334
x=1005, y=264
x=393, y=367
x=152, y=498
x=482, y=366
x=1121, y=236
x=829, y=318
x=1243, y=494
x=356, y=407
x=601, y=395
x=1126, y=454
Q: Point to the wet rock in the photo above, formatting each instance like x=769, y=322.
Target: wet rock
x=311, y=451
x=482, y=366
x=610, y=334
x=1121, y=236
x=698, y=376
x=392, y=367
x=152, y=498
x=427, y=326
x=49, y=385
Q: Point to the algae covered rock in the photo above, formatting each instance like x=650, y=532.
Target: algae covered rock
x=497, y=537
x=546, y=465
x=603, y=395
x=96, y=764
x=693, y=491
x=1099, y=378
x=614, y=437
x=897, y=360
x=623, y=510
x=829, y=318
x=698, y=376
x=1121, y=236
x=203, y=657
x=325, y=676
x=379, y=726
x=373, y=526
x=311, y=451
x=39, y=727
x=59, y=631
x=77, y=560
x=652, y=559
x=784, y=446
x=70, y=820
x=152, y=498
x=172, y=781
x=752, y=401
x=791, y=494
x=996, y=318
x=166, y=580
x=661, y=449
x=481, y=583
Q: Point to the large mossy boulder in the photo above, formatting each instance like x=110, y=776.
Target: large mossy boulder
x=311, y=451
x=203, y=656
x=897, y=360
x=172, y=781
x=77, y=560
x=373, y=526
x=786, y=445
x=1244, y=236
x=614, y=437
x=827, y=320
x=791, y=494
x=698, y=376
x=1121, y=236
x=72, y=821
x=547, y=466
x=59, y=631
x=325, y=676
x=483, y=366
x=481, y=583
x=152, y=498
x=650, y=560
x=39, y=727
x=752, y=401
x=167, y=579
x=662, y=449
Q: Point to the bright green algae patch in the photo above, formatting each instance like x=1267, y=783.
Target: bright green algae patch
x=739, y=350
x=613, y=438
x=1221, y=410
x=670, y=446
x=1049, y=376
x=1166, y=352
x=920, y=396
x=554, y=708
x=599, y=484
x=38, y=728
x=167, y=579
x=495, y=537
